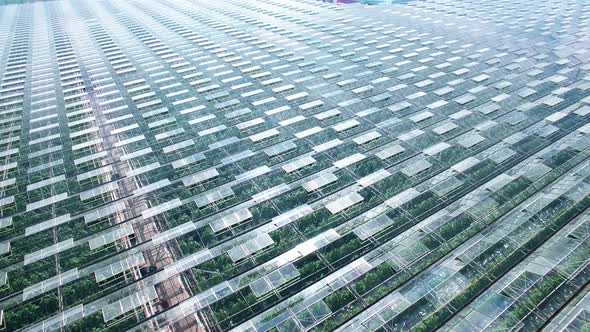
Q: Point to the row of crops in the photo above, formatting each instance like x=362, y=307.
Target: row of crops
x=285, y=166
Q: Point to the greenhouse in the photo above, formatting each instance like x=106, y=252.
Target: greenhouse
x=294, y=165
